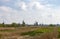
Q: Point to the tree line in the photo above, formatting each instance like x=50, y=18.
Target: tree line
x=23, y=24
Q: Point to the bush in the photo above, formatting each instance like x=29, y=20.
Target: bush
x=51, y=25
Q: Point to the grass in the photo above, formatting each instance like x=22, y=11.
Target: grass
x=44, y=30
x=38, y=31
x=0, y=35
x=58, y=32
x=7, y=30
x=31, y=33
x=59, y=35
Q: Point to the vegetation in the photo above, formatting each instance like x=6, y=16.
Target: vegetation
x=52, y=25
x=44, y=32
x=36, y=23
x=23, y=23
x=33, y=32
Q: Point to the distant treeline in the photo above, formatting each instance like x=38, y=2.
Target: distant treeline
x=24, y=24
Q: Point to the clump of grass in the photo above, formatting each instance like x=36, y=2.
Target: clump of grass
x=31, y=33
x=28, y=33
x=59, y=35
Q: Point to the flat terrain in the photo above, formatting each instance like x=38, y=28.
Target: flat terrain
x=29, y=32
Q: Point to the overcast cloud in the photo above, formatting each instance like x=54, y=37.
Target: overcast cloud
x=42, y=11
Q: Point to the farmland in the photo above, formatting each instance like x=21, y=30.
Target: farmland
x=29, y=32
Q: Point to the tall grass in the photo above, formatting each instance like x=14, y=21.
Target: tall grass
x=48, y=35
x=32, y=32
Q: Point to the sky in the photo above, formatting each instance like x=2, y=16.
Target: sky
x=42, y=11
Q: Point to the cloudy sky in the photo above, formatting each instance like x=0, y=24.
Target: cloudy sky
x=42, y=11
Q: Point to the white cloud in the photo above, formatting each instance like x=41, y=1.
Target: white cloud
x=31, y=12
x=5, y=9
x=30, y=5
x=8, y=14
x=38, y=11
x=22, y=5
x=37, y=5
x=33, y=4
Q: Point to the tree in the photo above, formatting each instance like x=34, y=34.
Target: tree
x=23, y=23
x=13, y=24
x=3, y=24
x=18, y=24
x=51, y=25
x=36, y=23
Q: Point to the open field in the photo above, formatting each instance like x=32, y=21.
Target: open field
x=29, y=32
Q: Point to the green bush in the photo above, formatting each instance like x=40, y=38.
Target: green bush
x=51, y=25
